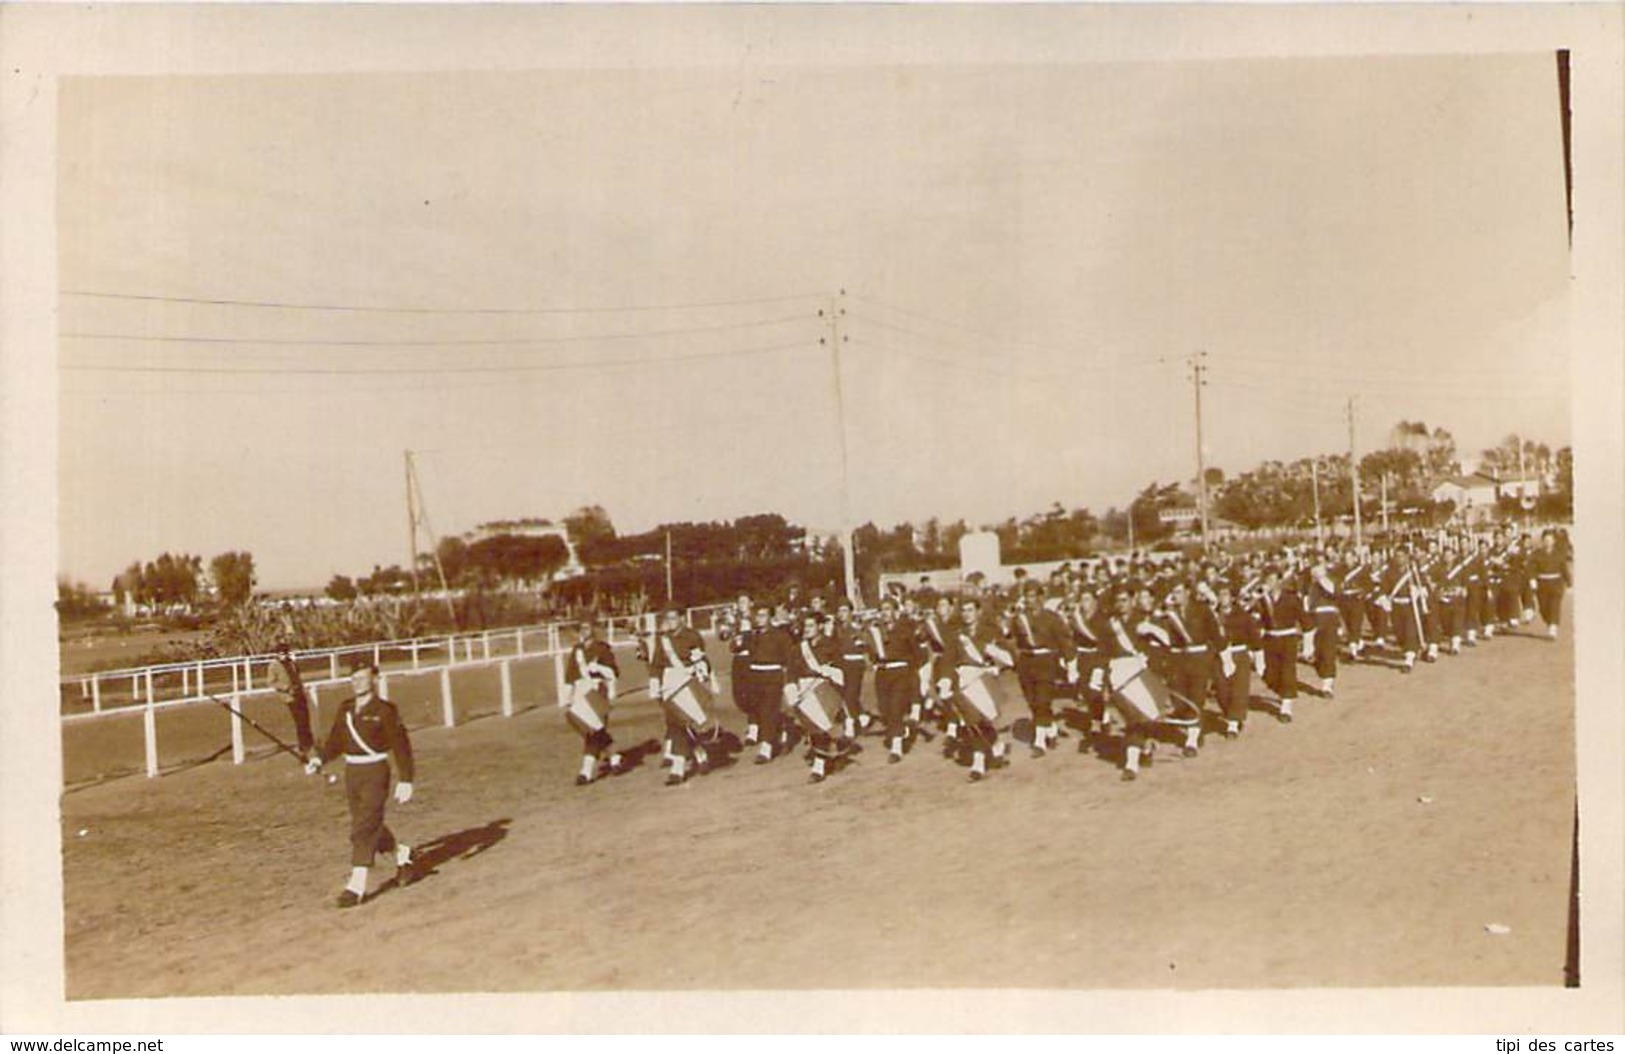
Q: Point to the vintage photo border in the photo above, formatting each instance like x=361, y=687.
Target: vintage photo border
x=41, y=43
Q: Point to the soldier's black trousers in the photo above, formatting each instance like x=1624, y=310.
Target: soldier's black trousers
x=367, y=788
x=895, y=691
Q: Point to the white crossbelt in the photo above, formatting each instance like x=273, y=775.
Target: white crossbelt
x=371, y=756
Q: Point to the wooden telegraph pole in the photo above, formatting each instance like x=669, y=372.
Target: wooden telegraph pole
x=836, y=339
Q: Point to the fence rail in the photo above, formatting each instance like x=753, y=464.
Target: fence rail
x=160, y=690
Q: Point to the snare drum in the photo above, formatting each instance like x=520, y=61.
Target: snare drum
x=1137, y=694
x=816, y=701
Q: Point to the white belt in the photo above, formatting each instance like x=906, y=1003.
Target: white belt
x=893, y=665
x=859, y=657
x=1281, y=632
x=1549, y=576
x=1326, y=611
x=1039, y=651
x=364, y=759
x=765, y=667
x=1190, y=649
x=1236, y=647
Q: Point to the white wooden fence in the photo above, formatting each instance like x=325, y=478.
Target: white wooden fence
x=231, y=680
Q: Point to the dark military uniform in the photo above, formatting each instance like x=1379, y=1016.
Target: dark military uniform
x=369, y=738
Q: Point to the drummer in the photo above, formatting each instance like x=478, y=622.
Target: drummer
x=1131, y=686
x=813, y=694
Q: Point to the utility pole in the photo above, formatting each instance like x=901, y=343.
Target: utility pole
x=1198, y=367
x=1314, y=486
x=419, y=513
x=1354, y=474
x=833, y=316
x=411, y=522
x=668, y=567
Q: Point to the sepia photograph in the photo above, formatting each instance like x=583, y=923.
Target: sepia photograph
x=1079, y=523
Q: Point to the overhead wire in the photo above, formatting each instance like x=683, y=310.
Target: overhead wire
x=420, y=310
x=463, y=342
x=357, y=371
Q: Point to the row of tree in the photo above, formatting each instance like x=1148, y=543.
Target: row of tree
x=177, y=580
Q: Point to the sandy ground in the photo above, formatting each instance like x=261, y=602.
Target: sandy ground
x=1370, y=843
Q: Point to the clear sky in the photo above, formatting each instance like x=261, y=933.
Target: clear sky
x=1029, y=253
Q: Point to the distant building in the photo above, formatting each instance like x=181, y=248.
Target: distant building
x=1181, y=517
x=1476, y=496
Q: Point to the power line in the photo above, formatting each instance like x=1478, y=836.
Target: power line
x=412, y=310
x=377, y=371
x=955, y=364
x=1070, y=373
x=322, y=342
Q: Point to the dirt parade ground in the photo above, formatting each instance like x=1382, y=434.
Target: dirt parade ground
x=1414, y=831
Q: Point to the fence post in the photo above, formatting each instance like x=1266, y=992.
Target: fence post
x=150, y=696
x=414, y=654
x=485, y=644
x=507, y=689
x=377, y=657
x=558, y=663
x=201, y=682
x=149, y=728
x=186, y=679
x=236, y=730
x=95, y=693
x=519, y=641
x=236, y=675
x=135, y=686
x=333, y=665
x=248, y=675
x=447, y=711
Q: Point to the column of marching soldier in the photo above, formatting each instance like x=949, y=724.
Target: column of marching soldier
x=1121, y=654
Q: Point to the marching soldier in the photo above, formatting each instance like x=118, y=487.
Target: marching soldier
x=1042, y=644
x=368, y=733
x=1473, y=582
x=737, y=631
x=590, y=674
x=771, y=650
x=896, y=653
x=1242, y=639
x=1279, y=611
x=1550, y=572
x=974, y=655
x=285, y=678
x=812, y=695
x=1324, y=611
x=1514, y=571
x=1086, y=622
x=1354, y=584
x=853, y=660
x=682, y=672
x=1404, y=594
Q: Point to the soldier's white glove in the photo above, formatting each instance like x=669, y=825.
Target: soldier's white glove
x=313, y=766
x=1097, y=679
x=1258, y=663
x=945, y=689
x=403, y=792
x=1227, y=663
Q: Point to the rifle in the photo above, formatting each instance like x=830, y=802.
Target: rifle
x=281, y=745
